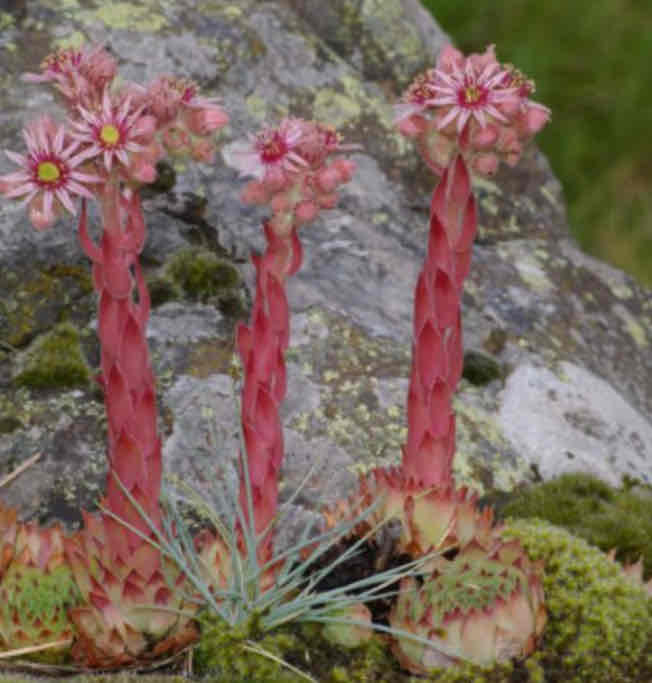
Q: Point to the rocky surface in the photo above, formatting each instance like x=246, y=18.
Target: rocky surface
x=559, y=345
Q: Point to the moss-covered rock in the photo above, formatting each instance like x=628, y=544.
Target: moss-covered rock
x=38, y=296
x=244, y=654
x=56, y=360
x=600, y=626
x=201, y=275
x=605, y=516
x=480, y=368
x=197, y=274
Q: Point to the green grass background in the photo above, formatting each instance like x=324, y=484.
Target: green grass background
x=592, y=64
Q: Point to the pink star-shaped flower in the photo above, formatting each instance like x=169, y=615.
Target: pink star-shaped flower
x=114, y=131
x=472, y=91
x=48, y=179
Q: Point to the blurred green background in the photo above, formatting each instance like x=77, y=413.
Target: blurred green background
x=592, y=64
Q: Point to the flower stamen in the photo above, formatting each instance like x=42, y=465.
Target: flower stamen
x=273, y=149
x=48, y=172
x=109, y=135
x=473, y=95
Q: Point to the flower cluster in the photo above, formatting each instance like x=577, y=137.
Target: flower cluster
x=113, y=134
x=49, y=176
x=292, y=170
x=80, y=75
x=473, y=105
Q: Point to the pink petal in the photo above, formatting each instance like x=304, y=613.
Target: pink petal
x=80, y=189
x=106, y=103
x=480, y=117
x=87, y=116
x=64, y=198
x=85, y=154
x=17, y=177
x=65, y=153
x=41, y=136
x=464, y=117
x=122, y=156
x=21, y=190
x=495, y=113
x=33, y=191
x=85, y=177
x=446, y=78
x=17, y=158
x=448, y=118
x=124, y=109
x=57, y=144
x=30, y=141
x=48, y=199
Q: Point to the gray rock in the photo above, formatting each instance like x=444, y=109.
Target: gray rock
x=571, y=336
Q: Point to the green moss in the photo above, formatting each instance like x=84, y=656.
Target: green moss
x=33, y=301
x=225, y=653
x=9, y=423
x=6, y=20
x=589, y=508
x=161, y=290
x=201, y=275
x=600, y=626
x=55, y=361
x=480, y=368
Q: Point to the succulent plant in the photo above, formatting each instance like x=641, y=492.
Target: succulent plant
x=354, y=629
x=633, y=572
x=435, y=518
x=7, y=537
x=479, y=607
x=36, y=589
x=135, y=608
x=216, y=559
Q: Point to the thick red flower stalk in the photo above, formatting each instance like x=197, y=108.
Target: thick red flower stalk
x=437, y=355
x=468, y=112
x=296, y=178
x=134, y=447
x=262, y=345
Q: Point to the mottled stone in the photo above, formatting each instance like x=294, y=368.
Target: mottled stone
x=533, y=301
x=571, y=420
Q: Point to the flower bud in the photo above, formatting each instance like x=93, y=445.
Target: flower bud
x=142, y=170
x=329, y=178
x=203, y=151
x=176, y=140
x=306, y=212
x=205, y=121
x=412, y=126
x=41, y=218
x=254, y=192
x=536, y=117
x=275, y=179
x=327, y=201
x=345, y=169
x=282, y=223
x=485, y=164
x=280, y=203
x=484, y=137
x=145, y=128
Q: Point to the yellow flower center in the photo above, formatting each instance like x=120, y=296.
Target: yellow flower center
x=472, y=94
x=109, y=134
x=48, y=172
